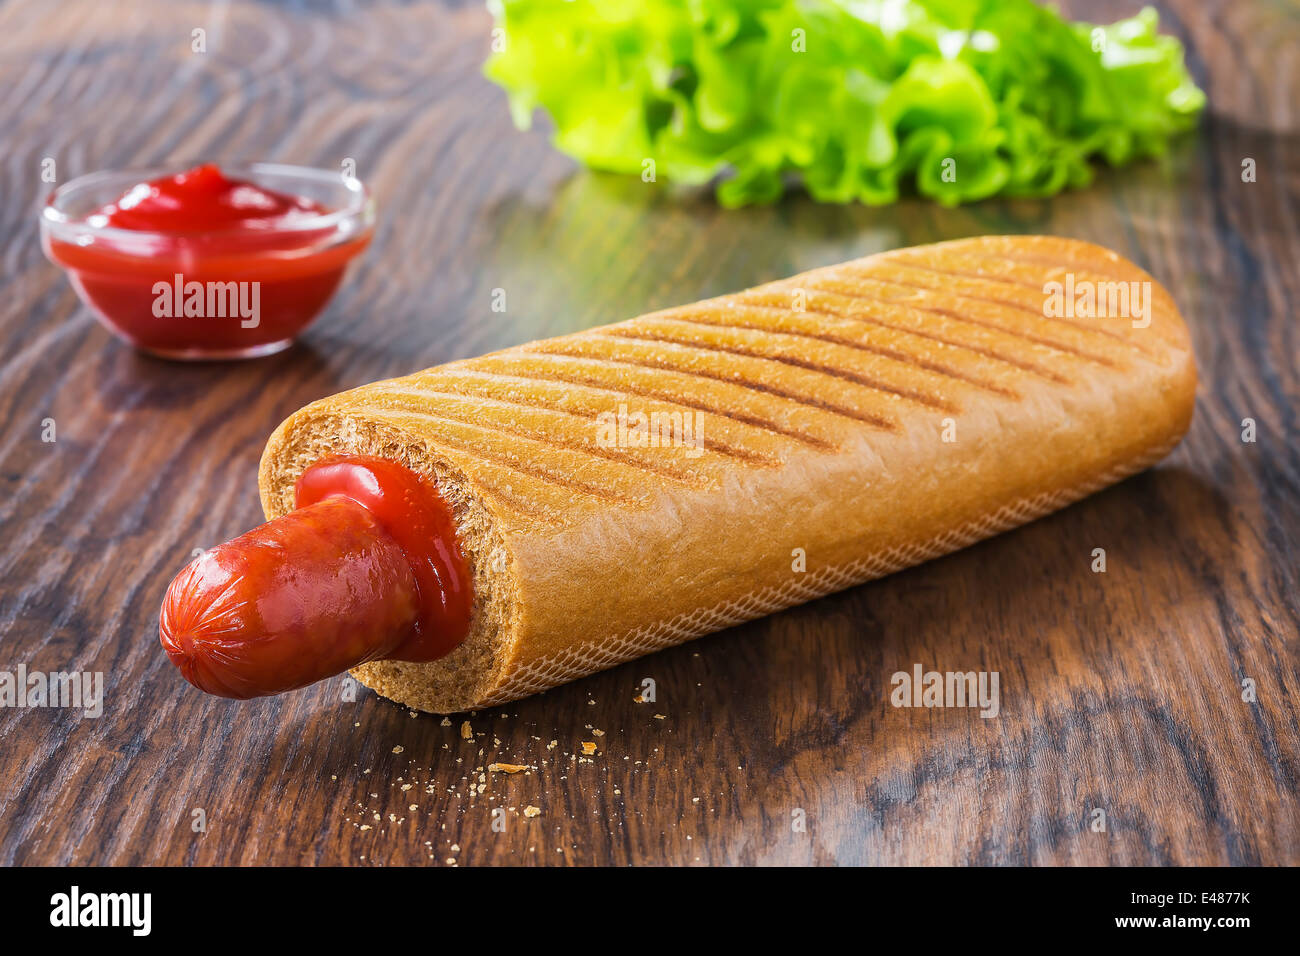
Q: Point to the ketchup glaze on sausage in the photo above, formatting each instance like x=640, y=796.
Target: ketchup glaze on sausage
x=367, y=567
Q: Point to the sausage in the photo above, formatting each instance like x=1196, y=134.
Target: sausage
x=367, y=567
x=292, y=602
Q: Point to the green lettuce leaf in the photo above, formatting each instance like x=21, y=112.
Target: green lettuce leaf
x=855, y=99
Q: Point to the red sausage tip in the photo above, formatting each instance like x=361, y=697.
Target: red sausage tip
x=191, y=633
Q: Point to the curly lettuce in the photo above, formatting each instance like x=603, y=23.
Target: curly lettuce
x=855, y=99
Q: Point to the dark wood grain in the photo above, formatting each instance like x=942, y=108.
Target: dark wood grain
x=1120, y=691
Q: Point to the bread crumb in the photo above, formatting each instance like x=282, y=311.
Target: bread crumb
x=466, y=731
x=532, y=811
x=661, y=716
x=588, y=748
x=398, y=749
x=597, y=733
x=446, y=722
x=508, y=767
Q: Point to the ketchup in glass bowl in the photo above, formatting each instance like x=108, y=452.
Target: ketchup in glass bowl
x=208, y=262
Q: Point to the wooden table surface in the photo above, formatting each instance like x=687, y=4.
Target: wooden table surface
x=1120, y=691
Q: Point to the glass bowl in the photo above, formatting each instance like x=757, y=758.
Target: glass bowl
x=223, y=294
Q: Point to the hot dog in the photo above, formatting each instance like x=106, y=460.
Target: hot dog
x=844, y=423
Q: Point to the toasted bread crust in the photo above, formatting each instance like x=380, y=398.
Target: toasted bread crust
x=867, y=416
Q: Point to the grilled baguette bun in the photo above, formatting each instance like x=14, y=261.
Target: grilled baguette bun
x=868, y=416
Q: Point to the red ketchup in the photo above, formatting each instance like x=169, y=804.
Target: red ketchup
x=201, y=265
x=368, y=567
